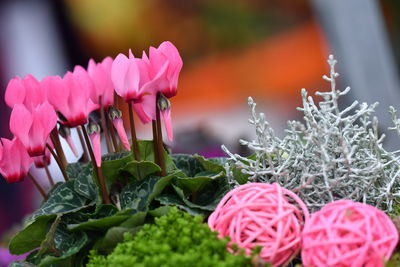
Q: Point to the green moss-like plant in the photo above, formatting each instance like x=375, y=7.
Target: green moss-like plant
x=176, y=239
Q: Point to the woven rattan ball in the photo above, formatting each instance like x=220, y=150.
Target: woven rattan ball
x=347, y=233
x=266, y=215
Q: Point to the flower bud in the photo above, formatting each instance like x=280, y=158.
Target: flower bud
x=116, y=118
x=164, y=106
x=94, y=134
x=114, y=113
x=93, y=127
x=163, y=102
x=65, y=133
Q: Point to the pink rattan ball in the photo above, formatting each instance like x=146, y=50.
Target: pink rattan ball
x=347, y=233
x=266, y=215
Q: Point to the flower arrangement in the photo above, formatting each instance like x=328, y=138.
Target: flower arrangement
x=119, y=207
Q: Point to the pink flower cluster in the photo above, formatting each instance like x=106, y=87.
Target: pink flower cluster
x=37, y=106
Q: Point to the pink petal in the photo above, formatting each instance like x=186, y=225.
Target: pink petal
x=37, y=139
x=20, y=123
x=107, y=64
x=83, y=80
x=101, y=75
x=48, y=116
x=57, y=93
x=119, y=126
x=42, y=161
x=172, y=53
x=92, y=71
x=34, y=93
x=79, y=102
x=119, y=70
x=148, y=105
x=71, y=145
x=157, y=59
x=15, y=92
x=25, y=161
x=166, y=52
x=144, y=68
x=138, y=107
x=108, y=92
x=166, y=115
x=132, y=77
x=80, y=85
x=15, y=163
x=95, y=138
x=44, y=120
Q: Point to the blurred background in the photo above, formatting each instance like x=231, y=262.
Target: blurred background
x=232, y=49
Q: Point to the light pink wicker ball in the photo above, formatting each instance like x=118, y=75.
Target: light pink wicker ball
x=347, y=233
x=266, y=215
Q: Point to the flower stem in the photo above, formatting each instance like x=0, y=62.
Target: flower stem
x=160, y=141
x=135, y=145
x=98, y=170
x=38, y=186
x=58, y=162
x=104, y=126
x=155, y=142
x=85, y=152
x=46, y=168
x=57, y=145
x=112, y=133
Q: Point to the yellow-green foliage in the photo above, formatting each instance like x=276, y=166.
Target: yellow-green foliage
x=176, y=239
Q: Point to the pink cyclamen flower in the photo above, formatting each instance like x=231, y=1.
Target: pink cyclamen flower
x=71, y=96
x=42, y=161
x=100, y=73
x=33, y=127
x=26, y=91
x=166, y=54
x=116, y=118
x=14, y=160
x=132, y=82
x=94, y=135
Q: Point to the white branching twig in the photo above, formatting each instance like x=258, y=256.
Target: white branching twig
x=335, y=154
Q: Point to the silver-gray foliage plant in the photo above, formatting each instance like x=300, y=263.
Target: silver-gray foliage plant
x=335, y=154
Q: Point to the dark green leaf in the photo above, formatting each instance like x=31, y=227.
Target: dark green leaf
x=215, y=165
x=84, y=184
x=135, y=219
x=138, y=195
x=104, y=210
x=239, y=176
x=195, y=184
x=113, y=237
x=174, y=200
x=104, y=217
x=160, y=211
x=74, y=169
x=146, y=148
x=99, y=224
x=31, y=236
x=188, y=164
x=115, y=156
x=62, y=200
x=219, y=160
x=111, y=168
x=208, y=199
x=48, y=243
x=141, y=169
x=65, y=245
